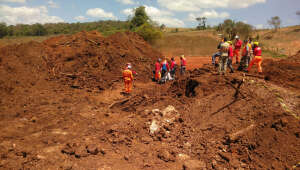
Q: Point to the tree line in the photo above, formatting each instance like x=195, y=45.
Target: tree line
x=105, y=27
x=140, y=23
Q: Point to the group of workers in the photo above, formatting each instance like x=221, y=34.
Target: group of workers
x=251, y=54
x=227, y=51
x=162, y=72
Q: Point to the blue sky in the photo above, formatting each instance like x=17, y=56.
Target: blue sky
x=173, y=13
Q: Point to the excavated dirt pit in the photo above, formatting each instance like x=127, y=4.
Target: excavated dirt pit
x=62, y=108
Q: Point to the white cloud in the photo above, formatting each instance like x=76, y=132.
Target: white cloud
x=259, y=26
x=100, y=13
x=53, y=4
x=195, y=5
x=210, y=14
x=14, y=1
x=127, y=2
x=158, y=15
x=170, y=22
x=26, y=15
x=80, y=18
x=128, y=12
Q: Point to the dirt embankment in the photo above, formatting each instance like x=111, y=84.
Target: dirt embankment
x=88, y=59
x=284, y=72
x=53, y=116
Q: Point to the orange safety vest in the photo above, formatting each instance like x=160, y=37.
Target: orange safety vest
x=127, y=75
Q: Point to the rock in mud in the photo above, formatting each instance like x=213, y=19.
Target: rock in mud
x=68, y=149
x=81, y=152
x=165, y=155
x=92, y=149
x=146, y=140
x=156, y=112
x=194, y=165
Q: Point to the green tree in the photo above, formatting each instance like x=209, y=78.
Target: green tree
x=202, y=23
x=3, y=30
x=275, y=22
x=162, y=27
x=38, y=30
x=144, y=26
x=148, y=32
x=140, y=18
x=231, y=28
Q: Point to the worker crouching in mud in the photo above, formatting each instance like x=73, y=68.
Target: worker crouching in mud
x=173, y=68
x=257, y=58
x=128, y=79
x=217, y=54
x=245, y=56
x=164, y=70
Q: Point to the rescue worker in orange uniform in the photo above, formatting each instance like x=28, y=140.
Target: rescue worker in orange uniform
x=237, y=47
x=257, y=58
x=128, y=78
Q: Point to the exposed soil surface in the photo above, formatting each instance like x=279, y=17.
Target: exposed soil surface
x=62, y=108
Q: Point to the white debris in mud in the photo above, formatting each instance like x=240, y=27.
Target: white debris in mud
x=170, y=110
x=153, y=127
x=163, y=118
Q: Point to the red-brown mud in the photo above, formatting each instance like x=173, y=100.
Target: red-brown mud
x=61, y=108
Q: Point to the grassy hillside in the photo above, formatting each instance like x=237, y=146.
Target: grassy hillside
x=192, y=43
x=285, y=41
x=282, y=43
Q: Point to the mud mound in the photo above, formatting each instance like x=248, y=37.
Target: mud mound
x=89, y=60
x=285, y=72
x=21, y=66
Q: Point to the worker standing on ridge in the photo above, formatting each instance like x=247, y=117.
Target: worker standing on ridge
x=237, y=47
x=257, y=58
x=182, y=64
x=128, y=79
x=217, y=54
x=173, y=68
x=164, y=70
x=246, y=52
x=157, y=70
x=224, y=57
x=230, y=56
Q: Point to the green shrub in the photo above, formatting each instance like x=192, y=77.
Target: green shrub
x=148, y=32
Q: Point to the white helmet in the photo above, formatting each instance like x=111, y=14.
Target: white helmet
x=237, y=37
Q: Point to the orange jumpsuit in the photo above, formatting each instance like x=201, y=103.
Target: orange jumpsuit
x=128, y=79
x=256, y=60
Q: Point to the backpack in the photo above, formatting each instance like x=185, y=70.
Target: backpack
x=164, y=67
